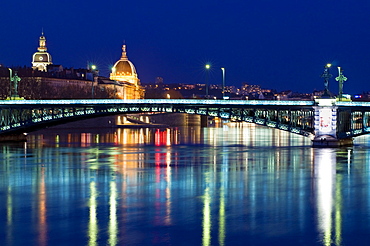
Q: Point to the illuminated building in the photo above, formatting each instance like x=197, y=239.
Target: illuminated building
x=124, y=73
x=41, y=59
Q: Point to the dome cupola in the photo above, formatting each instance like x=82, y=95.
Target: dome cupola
x=124, y=70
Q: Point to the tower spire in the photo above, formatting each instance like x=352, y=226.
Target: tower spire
x=42, y=43
x=124, y=53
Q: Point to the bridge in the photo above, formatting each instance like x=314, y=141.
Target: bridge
x=326, y=122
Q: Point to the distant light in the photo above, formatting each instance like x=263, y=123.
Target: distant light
x=357, y=96
x=328, y=65
x=93, y=67
x=208, y=66
x=347, y=96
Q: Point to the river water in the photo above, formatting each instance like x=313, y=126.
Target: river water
x=238, y=184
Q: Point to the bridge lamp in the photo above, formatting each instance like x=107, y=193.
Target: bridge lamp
x=223, y=82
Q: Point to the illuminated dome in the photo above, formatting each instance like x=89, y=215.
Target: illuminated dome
x=41, y=59
x=124, y=70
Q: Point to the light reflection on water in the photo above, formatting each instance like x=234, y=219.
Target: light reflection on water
x=234, y=185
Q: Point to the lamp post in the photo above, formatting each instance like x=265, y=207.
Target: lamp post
x=93, y=67
x=10, y=83
x=223, y=82
x=208, y=66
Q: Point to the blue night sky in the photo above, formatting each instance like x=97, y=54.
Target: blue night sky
x=276, y=44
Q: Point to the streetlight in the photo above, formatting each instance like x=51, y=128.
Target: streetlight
x=208, y=66
x=93, y=69
x=10, y=83
x=223, y=82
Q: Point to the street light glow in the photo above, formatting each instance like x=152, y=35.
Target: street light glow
x=328, y=65
x=93, y=67
x=223, y=82
x=208, y=66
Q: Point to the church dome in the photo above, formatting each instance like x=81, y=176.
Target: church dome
x=124, y=70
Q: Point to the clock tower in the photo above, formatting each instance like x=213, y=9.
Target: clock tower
x=41, y=59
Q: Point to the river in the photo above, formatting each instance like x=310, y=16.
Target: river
x=238, y=184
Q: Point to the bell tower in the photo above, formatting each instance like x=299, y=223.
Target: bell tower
x=41, y=59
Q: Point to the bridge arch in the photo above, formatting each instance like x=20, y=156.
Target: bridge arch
x=18, y=116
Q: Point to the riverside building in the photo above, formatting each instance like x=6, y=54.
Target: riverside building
x=46, y=80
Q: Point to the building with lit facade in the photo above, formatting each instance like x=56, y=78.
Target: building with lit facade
x=41, y=59
x=124, y=73
x=49, y=81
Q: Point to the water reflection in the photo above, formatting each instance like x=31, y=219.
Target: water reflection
x=325, y=185
x=9, y=215
x=233, y=185
x=42, y=228
x=330, y=174
x=93, y=220
x=207, y=212
x=113, y=224
x=119, y=136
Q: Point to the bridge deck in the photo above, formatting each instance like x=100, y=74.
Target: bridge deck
x=157, y=101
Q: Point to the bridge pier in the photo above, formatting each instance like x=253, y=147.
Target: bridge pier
x=329, y=141
x=326, y=125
